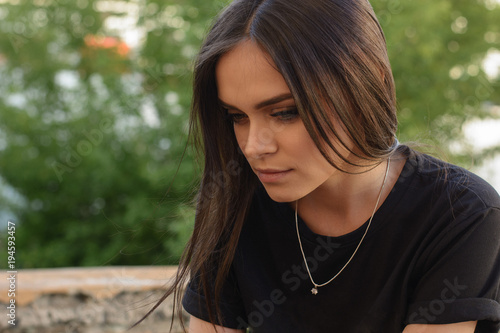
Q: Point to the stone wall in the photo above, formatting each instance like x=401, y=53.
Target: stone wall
x=87, y=300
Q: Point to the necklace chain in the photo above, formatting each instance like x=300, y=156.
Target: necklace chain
x=314, y=290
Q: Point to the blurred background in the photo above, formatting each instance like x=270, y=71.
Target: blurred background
x=94, y=104
x=96, y=170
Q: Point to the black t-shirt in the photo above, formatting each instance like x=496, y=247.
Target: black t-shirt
x=431, y=256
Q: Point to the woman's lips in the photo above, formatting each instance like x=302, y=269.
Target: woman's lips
x=271, y=175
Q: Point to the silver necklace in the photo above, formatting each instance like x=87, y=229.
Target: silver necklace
x=314, y=290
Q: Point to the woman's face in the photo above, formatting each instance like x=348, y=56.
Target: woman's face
x=268, y=129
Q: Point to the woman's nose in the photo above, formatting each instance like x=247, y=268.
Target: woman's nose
x=260, y=141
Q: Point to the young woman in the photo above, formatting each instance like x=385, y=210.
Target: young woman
x=311, y=216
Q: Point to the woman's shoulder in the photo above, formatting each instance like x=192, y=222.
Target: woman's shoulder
x=455, y=183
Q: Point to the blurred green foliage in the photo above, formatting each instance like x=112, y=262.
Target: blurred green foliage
x=94, y=101
x=436, y=50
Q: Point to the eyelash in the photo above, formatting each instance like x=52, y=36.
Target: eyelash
x=284, y=116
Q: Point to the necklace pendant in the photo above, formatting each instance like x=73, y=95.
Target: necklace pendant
x=314, y=290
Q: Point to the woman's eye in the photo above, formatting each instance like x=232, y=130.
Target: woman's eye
x=236, y=118
x=286, y=115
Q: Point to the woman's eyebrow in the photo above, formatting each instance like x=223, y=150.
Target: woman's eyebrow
x=263, y=104
x=273, y=100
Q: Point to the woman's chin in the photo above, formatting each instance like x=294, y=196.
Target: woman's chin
x=281, y=196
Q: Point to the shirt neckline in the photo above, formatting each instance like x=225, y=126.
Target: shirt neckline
x=381, y=215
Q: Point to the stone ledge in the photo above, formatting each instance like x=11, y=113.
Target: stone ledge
x=88, y=300
x=98, y=282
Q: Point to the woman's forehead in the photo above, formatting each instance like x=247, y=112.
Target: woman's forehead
x=247, y=74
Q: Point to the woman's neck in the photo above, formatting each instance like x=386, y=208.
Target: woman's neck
x=346, y=201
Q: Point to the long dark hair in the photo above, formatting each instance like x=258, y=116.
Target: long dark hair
x=332, y=54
